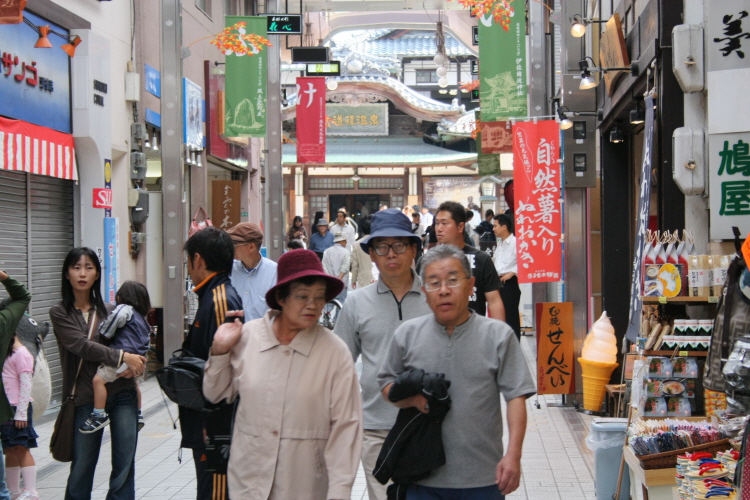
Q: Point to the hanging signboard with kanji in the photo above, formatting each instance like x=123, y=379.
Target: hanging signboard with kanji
x=728, y=35
x=536, y=180
x=245, y=84
x=729, y=183
x=311, y=120
x=502, y=50
x=554, y=348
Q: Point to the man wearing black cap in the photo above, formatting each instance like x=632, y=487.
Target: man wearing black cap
x=371, y=315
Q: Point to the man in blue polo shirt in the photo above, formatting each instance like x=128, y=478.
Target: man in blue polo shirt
x=252, y=274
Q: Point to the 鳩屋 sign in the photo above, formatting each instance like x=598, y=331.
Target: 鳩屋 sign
x=729, y=183
x=34, y=83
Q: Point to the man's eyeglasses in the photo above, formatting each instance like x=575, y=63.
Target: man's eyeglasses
x=434, y=286
x=383, y=248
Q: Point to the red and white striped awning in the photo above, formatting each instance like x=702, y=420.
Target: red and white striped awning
x=25, y=147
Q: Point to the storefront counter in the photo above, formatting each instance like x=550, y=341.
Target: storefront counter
x=653, y=484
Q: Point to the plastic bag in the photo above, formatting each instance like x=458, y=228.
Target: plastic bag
x=597, y=440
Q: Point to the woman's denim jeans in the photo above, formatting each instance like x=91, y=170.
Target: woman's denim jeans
x=122, y=408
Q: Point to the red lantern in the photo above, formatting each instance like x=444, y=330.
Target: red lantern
x=11, y=11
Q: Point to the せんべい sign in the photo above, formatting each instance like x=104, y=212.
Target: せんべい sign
x=554, y=349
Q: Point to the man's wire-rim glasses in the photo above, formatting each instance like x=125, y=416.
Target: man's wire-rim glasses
x=436, y=285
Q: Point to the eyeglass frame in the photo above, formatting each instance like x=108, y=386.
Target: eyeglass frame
x=427, y=285
x=390, y=247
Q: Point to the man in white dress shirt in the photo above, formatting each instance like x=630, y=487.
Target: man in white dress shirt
x=337, y=262
x=340, y=226
x=507, y=268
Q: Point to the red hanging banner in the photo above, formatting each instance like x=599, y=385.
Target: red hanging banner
x=311, y=120
x=536, y=180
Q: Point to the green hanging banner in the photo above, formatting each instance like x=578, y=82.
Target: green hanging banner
x=245, y=85
x=502, y=65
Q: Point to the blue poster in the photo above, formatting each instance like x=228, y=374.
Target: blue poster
x=111, y=269
x=153, y=80
x=34, y=83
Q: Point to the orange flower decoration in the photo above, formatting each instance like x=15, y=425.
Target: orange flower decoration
x=469, y=86
x=234, y=40
x=499, y=9
x=477, y=129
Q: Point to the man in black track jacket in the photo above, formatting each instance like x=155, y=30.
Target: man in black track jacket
x=210, y=254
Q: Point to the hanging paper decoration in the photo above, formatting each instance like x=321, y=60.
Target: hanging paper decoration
x=500, y=10
x=235, y=40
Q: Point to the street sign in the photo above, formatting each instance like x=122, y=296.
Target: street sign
x=473, y=64
x=310, y=54
x=332, y=68
x=475, y=95
x=102, y=198
x=475, y=35
x=287, y=24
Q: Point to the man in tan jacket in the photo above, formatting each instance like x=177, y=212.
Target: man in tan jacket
x=361, y=262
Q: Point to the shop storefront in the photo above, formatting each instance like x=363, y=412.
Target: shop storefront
x=38, y=170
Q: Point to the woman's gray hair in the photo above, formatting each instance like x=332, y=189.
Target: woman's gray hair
x=441, y=252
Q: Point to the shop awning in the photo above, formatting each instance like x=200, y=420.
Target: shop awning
x=25, y=147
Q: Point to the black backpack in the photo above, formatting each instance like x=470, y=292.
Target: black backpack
x=182, y=380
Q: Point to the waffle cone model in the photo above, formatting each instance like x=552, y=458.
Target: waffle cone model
x=595, y=376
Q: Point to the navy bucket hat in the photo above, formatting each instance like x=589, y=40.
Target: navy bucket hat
x=390, y=223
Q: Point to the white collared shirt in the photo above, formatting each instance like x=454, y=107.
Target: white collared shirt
x=505, y=256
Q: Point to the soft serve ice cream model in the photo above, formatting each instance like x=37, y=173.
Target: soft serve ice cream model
x=598, y=360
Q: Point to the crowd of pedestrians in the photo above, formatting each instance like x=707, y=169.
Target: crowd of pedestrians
x=286, y=415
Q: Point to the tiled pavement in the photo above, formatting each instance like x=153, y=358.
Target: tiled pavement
x=556, y=463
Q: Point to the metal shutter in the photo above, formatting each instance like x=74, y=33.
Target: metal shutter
x=52, y=237
x=13, y=250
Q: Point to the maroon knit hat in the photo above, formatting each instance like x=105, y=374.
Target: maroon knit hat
x=298, y=264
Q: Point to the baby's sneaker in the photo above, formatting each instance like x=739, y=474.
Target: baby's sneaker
x=94, y=423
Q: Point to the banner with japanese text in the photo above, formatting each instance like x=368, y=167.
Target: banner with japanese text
x=555, y=348
x=245, y=85
x=644, y=209
x=502, y=73
x=311, y=120
x=497, y=137
x=536, y=181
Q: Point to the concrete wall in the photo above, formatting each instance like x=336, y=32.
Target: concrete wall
x=101, y=132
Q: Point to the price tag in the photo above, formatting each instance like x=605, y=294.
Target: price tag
x=713, y=300
x=662, y=300
x=683, y=353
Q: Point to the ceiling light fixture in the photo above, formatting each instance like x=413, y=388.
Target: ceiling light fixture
x=356, y=176
x=616, y=136
x=637, y=116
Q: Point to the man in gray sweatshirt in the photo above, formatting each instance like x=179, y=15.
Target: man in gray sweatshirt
x=371, y=315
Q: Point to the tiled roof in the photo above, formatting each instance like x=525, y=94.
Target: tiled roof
x=382, y=151
x=413, y=44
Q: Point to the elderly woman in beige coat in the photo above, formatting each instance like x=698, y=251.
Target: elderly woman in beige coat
x=298, y=429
